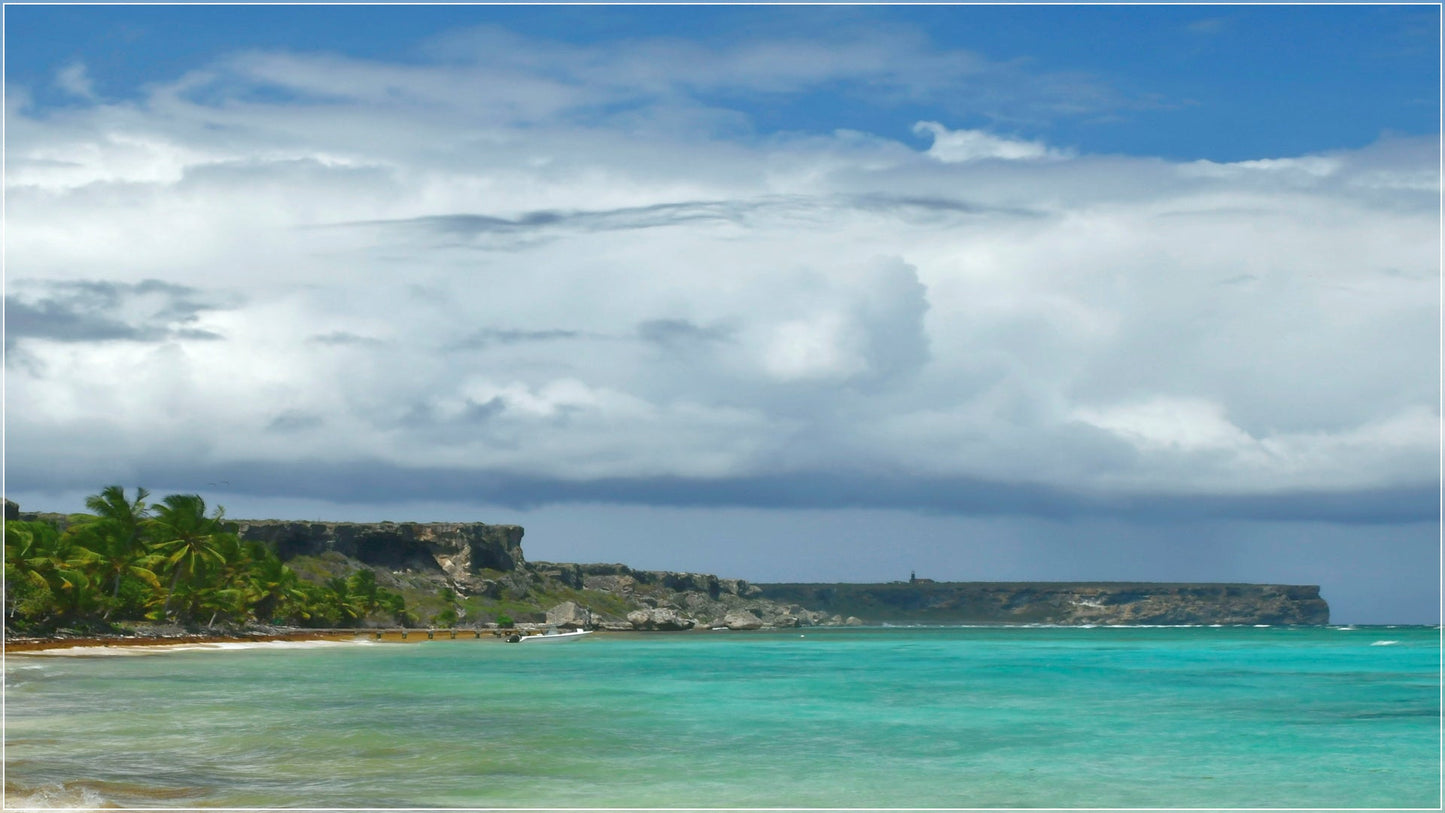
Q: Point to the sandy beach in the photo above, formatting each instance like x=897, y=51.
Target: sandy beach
x=56, y=645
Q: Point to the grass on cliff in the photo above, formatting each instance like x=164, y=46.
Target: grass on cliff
x=541, y=598
x=431, y=604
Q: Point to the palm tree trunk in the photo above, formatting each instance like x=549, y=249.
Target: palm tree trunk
x=166, y=610
x=114, y=597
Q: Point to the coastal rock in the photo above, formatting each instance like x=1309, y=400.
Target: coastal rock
x=618, y=584
x=457, y=549
x=659, y=618
x=742, y=620
x=1100, y=603
x=569, y=615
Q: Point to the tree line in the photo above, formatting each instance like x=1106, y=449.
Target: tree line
x=168, y=562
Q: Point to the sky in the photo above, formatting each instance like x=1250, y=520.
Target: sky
x=804, y=293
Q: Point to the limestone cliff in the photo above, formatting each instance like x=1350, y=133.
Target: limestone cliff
x=1061, y=602
x=458, y=549
x=486, y=561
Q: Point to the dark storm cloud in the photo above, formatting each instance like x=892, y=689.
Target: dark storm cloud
x=294, y=420
x=540, y=223
x=492, y=336
x=680, y=332
x=534, y=225
x=98, y=311
x=425, y=416
x=377, y=481
x=920, y=207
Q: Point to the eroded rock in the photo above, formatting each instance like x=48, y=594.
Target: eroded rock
x=659, y=618
x=569, y=615
x=742, y=620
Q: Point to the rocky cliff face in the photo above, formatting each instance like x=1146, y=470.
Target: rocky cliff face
x=456, y=549
x=456, y=554
x=475, y=559
x=669, y=600
x=1061, y=602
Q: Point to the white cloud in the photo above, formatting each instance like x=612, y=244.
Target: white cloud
x=957, y=146
x=1169, y=424
x=75, y=80
x=982, y=308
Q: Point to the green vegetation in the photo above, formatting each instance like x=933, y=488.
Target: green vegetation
x=171, y=562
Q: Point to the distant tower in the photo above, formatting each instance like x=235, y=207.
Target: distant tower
x=912, y=577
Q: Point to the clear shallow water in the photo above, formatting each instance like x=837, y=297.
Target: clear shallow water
x=958, y=717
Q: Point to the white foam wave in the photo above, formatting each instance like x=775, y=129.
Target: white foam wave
x=1384, y=643
x=55, y=797
x=107, y=650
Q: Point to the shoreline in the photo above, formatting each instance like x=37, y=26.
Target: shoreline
x=389, y=635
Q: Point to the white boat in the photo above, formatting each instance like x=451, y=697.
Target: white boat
x=553, y=636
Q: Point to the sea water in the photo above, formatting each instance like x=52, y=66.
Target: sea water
x=915, y=717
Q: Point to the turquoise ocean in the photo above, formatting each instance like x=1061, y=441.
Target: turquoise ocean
x=981, y=717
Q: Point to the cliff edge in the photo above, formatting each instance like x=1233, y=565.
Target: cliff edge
x=1074, y=603
x=486, y=561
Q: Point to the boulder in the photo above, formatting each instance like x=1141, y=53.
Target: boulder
x=742, y=620
x=659, y=618
x=853, y=621
x=569, y=615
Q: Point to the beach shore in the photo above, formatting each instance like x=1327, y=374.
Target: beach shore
x=22, y=645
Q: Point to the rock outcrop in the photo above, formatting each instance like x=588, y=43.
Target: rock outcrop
x=569, y=615
x=742, y=620
x=660, y=618
x=1060, y=602
x=457, y=549
x=476, y=559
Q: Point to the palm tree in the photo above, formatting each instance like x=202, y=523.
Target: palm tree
x=124, y=517
x=277, y=589
x=186, y=538
x=28, y=546
x=69, y=568
x=364, y=590
x=345, y=606
x=116, y=532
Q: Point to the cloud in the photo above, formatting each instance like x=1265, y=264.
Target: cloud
x=538, y=272
x=341, y=338
x=954, y=146
x=491, y=336
x=100, y=311
x=680, y=333
x=75, y=80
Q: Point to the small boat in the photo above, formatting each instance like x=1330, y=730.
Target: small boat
x=550, y=636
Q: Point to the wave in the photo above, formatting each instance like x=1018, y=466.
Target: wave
x=1384, y=643
x=129, y=650
x=96, y=794
x=68, y=796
